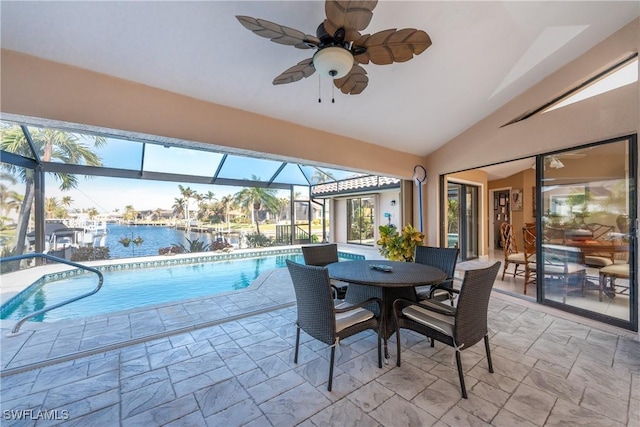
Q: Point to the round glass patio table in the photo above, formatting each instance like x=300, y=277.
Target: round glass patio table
x=389, y=280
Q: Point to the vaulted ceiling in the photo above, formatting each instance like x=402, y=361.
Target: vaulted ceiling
x=483, y=55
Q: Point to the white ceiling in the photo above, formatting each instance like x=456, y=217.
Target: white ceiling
x=483, y=55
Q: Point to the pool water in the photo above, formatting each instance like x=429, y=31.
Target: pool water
x=123, y=290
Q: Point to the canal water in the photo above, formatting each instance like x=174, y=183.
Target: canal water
x=154, y=238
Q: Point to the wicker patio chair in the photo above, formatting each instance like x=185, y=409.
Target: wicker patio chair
x=321, y=255
x=321, y=319
x=443, y=258
x=564, y=266
x=600, y=232
x=459, y=327
x=611, y=273
x=510, y=248
x=529, y=238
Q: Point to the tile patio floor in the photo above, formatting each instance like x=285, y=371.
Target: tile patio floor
x=228, y=361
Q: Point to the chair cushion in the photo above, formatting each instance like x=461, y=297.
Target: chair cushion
x=423, y=293
x=437, y=321
x=350, y=318
x=571, y=268
x=517, y=257
x=597, y=261
x=617, y=270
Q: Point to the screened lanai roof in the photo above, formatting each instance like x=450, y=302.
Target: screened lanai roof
x=164, y=159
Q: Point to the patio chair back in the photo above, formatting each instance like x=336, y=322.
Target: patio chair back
x=473, y=303
x=443, y=258
x=508, y=239
x=529, y=238
x=314, y=299
x=320, y=255
x=324, y=321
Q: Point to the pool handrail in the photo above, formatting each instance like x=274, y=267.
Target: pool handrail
x=17, y=326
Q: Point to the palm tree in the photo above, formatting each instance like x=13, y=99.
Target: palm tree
x=51, y=144
x=93, y=212
x=209, y=197
x=130, y=214
x=66, y=201
x=51, y=206
x=254, y=197
x=227, y=201
x=321, y=177
x=187, y=193
x=285, y=208
x=178, y=206
x=9, y=199
x=158, y=213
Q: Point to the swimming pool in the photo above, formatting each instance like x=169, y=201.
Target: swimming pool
x=140, y=284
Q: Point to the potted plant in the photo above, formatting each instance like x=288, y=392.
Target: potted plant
x=399, y=246
x=125, y=241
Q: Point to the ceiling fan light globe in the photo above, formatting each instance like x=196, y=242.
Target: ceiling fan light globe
x=333, y=61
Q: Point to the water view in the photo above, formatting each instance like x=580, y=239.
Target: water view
x=154, y=238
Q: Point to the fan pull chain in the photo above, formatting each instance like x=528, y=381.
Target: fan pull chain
x=333, y=89
x=319, y=96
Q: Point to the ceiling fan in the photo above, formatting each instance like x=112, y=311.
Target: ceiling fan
x=340, y=48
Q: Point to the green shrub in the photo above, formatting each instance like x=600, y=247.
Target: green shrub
x=171, y=250
x=7, y=267
x=90, y=254
x=220, y=246
x=195, y=245
x=399, y=246
x=256, y=240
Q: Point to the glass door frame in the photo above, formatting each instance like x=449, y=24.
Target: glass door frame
x=463, y=225
x=632, y=324
x=349, y=203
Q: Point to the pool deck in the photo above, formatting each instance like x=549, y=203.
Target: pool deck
x=39, y=343
x=227, y=360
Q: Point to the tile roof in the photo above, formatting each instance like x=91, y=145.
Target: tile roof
x=370, y=182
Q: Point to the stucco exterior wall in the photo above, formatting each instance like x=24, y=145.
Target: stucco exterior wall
x=39, y=88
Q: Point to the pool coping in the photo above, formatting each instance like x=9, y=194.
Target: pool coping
x=39, y=276
x=271, y=290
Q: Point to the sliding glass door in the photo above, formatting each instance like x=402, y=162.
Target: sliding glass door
x=586, y=240
x=360, y=220
x=462, y=226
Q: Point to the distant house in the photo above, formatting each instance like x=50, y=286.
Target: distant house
x=357, y=206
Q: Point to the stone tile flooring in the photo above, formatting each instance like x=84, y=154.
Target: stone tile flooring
x=228, y=361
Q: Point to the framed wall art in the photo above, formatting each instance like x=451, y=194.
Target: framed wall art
x=516, y=199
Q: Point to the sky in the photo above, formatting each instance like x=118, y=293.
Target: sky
x=108, y=194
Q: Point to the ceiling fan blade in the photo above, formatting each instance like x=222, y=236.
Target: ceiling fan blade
x=388, y=46
x=354, y=82
x=353, y=16
x=297, y=72
x=278, y=33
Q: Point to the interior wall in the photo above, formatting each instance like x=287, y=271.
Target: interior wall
x=526, y=181
x=606, y=116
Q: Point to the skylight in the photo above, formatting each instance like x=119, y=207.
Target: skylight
x=619, y=77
